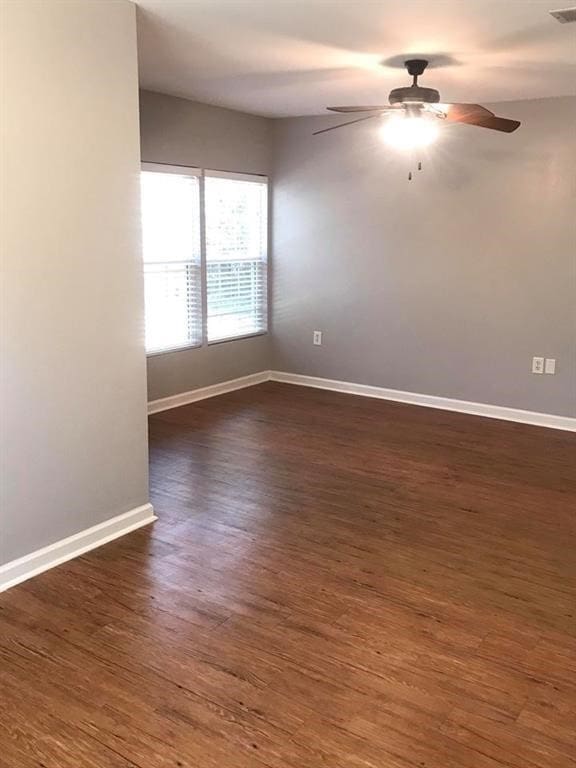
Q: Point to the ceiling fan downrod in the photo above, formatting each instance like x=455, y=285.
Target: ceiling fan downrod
x=416, y=68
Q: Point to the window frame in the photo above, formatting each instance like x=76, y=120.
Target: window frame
x=251, y=177
x=197, y=173
x=201, y=174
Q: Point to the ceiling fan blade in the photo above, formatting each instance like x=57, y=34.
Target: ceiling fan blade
x=341, y=125
x=474, y=114
x=358, y=109
x=500, y=124
x=465, y=113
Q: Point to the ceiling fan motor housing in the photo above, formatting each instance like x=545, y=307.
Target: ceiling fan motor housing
x=414, y=94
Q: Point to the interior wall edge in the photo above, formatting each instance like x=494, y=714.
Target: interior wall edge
x=73, y=392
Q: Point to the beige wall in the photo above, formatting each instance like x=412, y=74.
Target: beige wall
x=447, y=285
x=73, y=395
x=183, y=132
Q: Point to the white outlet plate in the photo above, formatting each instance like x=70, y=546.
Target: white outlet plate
x=550, y=366
x=537, y=365
x=317, y=338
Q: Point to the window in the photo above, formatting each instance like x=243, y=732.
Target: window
x=172, y=261
x=236, y=255
x=203, y=234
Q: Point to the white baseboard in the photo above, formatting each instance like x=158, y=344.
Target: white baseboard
x=185, y=398
x=54, y=554
x=430, y=401
x=549, y=420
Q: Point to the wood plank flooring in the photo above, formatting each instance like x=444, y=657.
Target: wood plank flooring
x=334, y=582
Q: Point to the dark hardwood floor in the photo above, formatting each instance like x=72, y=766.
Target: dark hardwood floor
x=334, y=582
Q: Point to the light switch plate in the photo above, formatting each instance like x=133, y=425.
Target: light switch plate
x=537, y=365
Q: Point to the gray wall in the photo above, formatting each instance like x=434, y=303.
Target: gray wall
x=73, y=401
x=183, y=132
x=446, y=285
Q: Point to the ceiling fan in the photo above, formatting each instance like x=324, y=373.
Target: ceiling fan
x=417, y=107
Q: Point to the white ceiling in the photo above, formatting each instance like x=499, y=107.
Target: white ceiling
x=295, y=57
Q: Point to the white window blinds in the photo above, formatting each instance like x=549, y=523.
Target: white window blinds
x=172, y=259
x=205, y=238
x=236, y=255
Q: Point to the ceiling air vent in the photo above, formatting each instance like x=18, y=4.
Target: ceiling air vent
x=565, y=16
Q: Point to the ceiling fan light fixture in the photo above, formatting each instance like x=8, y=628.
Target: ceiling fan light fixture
x=412, y=125
x=406, y=132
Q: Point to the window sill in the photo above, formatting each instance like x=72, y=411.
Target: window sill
x=237, y=338
x=228, y=339
x=170, y=350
